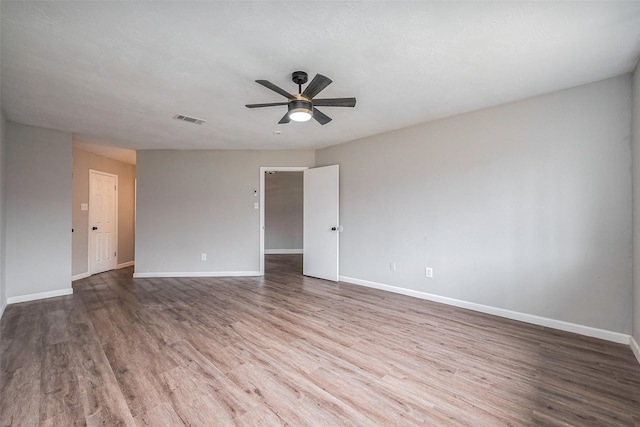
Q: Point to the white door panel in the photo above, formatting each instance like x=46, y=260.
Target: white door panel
x=321, y=222
x=102, y=221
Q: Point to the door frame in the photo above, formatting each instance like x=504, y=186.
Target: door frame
x=263, y=169
x=115, y=244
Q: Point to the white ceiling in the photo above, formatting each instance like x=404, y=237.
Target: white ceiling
x=117, y=72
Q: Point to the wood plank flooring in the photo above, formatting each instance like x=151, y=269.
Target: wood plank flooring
x=291, y=350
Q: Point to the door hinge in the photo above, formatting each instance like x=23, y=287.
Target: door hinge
x=114, y=254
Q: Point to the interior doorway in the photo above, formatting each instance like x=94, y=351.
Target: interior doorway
x=321, y=226
x=278, y=245
x=283, y=213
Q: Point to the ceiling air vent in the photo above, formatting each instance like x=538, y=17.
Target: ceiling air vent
x=189, y=119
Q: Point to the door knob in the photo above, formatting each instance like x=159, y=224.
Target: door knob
x=94, y=228
x=334, y=228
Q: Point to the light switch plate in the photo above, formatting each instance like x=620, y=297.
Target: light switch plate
x=84, y=206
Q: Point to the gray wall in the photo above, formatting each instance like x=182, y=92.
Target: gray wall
x=38, y=210
x=283, y=211
x=524, y=207
x=636, y=203
x=193, y=202
x=82, y=162
x=3, y=139
x=3, y=127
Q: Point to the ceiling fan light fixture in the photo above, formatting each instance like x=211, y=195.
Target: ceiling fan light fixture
x=300, y=110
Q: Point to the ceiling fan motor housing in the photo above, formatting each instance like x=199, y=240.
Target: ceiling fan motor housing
x=300, y=106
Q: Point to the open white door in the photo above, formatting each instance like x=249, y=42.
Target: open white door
x=102, y=221
x=321, y=222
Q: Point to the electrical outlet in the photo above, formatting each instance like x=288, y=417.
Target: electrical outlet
x=392, y=266
x=203, y=256
x=428, y=272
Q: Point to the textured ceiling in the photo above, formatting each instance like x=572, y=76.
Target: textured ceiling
x=117, y=72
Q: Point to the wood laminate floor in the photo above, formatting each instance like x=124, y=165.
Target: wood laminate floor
x=291, y=350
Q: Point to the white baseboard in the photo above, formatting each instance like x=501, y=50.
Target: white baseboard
x=39, y=295
x=125, y=264
x=3, y=305
x=196, y=274
x=87, y=274
x=523, y=317
x=282, y=251
x=80, y=276
x=635, y=347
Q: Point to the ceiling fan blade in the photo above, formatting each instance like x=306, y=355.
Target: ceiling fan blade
x=275, y=88
x=320, y=117
x=335, y=102
x=284, y=119
x=272, y=104
x=318, y=83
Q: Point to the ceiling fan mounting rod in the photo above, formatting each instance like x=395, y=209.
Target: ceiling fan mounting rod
x=299, y=78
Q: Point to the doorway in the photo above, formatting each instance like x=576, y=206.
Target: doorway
x=263, y=172
x=283, y=213
x=321, y=225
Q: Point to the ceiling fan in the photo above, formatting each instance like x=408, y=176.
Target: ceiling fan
x=302, y=106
